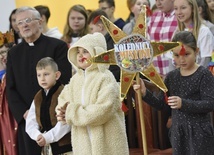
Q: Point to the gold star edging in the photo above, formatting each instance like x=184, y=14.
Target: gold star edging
x=149, y=71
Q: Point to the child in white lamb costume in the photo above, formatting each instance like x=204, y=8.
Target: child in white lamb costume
x=91, y=102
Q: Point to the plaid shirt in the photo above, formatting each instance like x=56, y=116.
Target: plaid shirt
x=161, y=28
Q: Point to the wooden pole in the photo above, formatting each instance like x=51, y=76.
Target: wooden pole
x=142, y=122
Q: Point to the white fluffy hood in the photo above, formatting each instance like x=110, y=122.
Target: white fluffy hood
x=94, y=43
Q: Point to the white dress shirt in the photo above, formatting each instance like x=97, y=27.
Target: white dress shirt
x=53, y=135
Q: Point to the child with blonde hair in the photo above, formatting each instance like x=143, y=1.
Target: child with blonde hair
x=41, y=123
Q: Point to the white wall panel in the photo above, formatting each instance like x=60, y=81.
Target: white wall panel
x=6, y=6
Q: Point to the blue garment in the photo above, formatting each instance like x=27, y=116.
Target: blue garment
x=120, y=23
x=2, y=72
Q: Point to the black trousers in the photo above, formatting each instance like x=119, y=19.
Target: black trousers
x=26, y=146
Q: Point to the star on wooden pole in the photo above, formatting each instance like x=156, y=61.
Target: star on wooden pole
x=133, y=54
x=126, y=55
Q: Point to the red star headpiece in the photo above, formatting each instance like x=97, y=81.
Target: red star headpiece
x=182, y=51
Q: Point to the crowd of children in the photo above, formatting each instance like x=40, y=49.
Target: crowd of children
x=55, y=102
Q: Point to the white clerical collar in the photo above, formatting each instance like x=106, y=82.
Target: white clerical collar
x=31, y=44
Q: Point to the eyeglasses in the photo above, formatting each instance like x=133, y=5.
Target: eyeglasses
x=26, y=21
x=3, y=52
x=104, y=8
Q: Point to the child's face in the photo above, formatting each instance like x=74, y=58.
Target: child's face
x=137, y=7
x=107, y=9
x=47, y=77
x=164, y=5
x=186, y=60
x=3, y=55
x=77, y=21
x=13, y=22
x=82, y=56
x=210, y=4
x=183, y=11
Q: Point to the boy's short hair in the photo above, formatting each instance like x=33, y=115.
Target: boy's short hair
x=109, y=2
x=47, y=61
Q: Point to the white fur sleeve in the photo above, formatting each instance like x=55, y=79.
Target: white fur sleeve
x=63, y=98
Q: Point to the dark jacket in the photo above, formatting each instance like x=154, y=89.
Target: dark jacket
x=22, y=82
x=113, y=68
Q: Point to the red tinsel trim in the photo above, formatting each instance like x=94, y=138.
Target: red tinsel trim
x=166, y=98
x=124, y=107
x=96, y=19
x=148, y=11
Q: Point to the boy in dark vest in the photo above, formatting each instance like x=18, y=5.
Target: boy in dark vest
x=41, y=122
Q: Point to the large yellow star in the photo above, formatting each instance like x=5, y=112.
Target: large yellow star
x=124, y=51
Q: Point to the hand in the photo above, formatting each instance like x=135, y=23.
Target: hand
x=61, y=114
x=41, y=140
x=25, y=114
x=169, y=123
x=142, y=87
x=174, y=102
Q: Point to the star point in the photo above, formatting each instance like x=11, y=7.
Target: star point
x=133, y=53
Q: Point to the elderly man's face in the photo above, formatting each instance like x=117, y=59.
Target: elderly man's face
x=27, y=24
